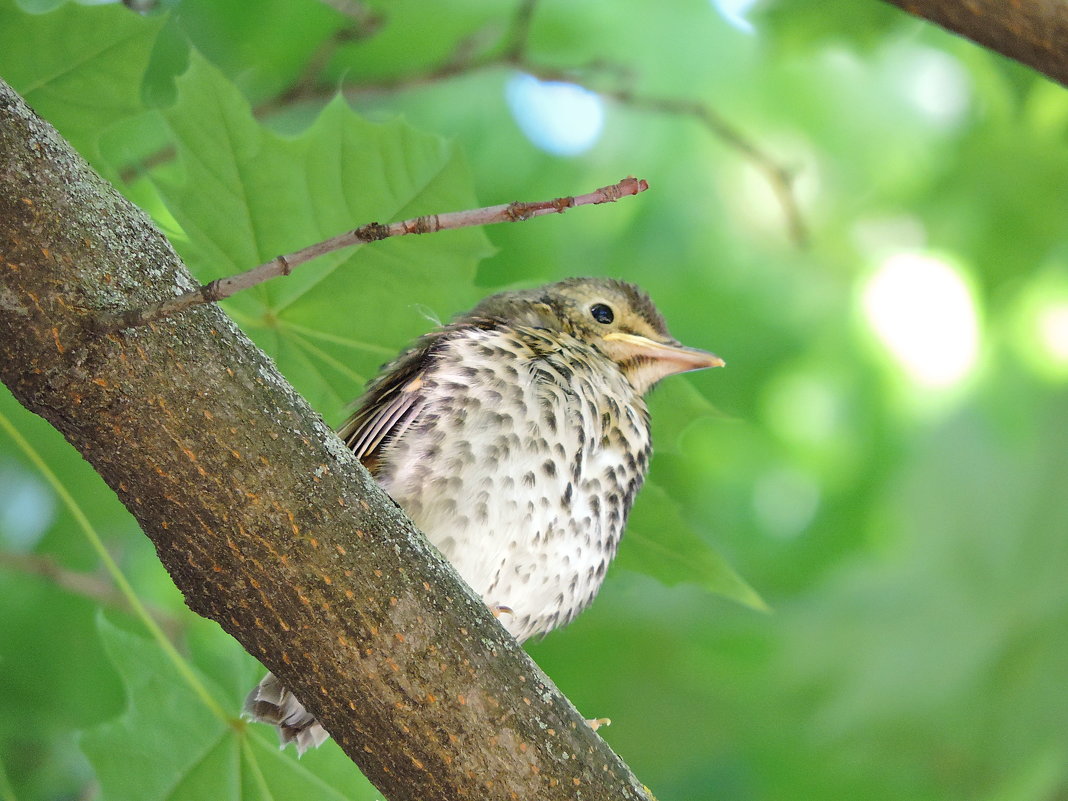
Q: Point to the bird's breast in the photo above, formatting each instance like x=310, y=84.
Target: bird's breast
x=521, y=468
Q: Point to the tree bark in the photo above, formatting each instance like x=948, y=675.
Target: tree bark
x=261, y=515
x=1033, y=32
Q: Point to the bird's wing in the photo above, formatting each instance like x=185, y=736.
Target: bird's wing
x=392, y=402
x=396, y=398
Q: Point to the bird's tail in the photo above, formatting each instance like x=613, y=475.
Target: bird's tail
x=272, y=703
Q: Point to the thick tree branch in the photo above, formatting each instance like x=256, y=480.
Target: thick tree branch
x=1033, y=32
x=222, y=288
x=261, y=515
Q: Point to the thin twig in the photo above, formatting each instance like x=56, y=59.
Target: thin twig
x=316, y=64
x=778, y=176
x=371, y=232
x=367, y=19
x=83, y=584
x=512, y=51
x=519, y=32
x=365, y=23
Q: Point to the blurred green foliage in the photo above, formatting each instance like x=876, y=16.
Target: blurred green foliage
x=911, y=538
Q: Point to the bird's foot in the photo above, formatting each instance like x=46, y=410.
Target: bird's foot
x=596, y=723
x=498, y=610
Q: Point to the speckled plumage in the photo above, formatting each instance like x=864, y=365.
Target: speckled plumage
x=516, y=438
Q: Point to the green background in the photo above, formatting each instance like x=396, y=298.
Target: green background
x=909, y=534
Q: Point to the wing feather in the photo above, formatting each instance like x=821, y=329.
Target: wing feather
x=392, y=402
x=389, y=421
x=396, y=398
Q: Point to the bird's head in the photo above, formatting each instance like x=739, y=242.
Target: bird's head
x=612, y=316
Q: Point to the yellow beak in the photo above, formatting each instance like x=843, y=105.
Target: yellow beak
x=678, y=356
x=646, y=361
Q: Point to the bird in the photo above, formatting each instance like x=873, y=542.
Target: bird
x=516, y=438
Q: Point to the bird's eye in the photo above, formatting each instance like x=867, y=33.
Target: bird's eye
x=602, y=313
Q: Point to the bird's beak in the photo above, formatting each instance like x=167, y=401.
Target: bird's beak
x=646, y=361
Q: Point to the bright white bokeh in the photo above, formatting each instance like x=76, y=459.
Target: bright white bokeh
x=560, y=118
x=935, y=83
x=924, y=313
x=1052, y=328
x=733, y=11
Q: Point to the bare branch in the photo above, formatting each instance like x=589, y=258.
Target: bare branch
x=519, y=33
x=778, y=176
x=222, y=288
x=512, y=51
x=365, y=23
x=366, y=19
x=86, y=585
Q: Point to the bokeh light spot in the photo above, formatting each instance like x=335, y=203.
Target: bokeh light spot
x=936, y=84
x=785, y=501
x=804, y=409
x=1041, y=325
x=27, y=509
x=560, y=118
x=733, y=11
x=923, y=312
x=1053, y=332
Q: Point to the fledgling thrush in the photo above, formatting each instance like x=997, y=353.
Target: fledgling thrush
x=516, y=438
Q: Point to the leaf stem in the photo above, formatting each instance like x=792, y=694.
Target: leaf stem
x=7, y=792
x=256, y=770
x=138, y=608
